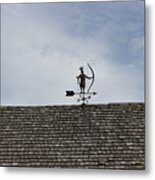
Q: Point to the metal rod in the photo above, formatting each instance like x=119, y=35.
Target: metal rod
x=85, y=93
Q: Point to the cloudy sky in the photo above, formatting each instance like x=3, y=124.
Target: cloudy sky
x=43, y=45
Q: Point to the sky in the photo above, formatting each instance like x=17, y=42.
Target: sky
x=44, y=44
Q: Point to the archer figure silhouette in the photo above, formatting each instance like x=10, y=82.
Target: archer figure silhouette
x=81, y=79
x=84, y=96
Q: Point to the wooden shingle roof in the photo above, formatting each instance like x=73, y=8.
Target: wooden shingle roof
x=92, y=136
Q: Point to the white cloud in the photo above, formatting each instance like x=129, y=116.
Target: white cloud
x=40, y=60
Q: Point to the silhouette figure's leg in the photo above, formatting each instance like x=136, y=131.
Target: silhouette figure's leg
x=81, y=88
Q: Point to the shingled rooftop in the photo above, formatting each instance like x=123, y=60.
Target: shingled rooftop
x=108, y=136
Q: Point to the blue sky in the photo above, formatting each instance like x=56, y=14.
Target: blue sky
x=43, y=45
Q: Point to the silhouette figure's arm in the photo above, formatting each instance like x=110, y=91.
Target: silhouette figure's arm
x=78, y=77
x=88, y=77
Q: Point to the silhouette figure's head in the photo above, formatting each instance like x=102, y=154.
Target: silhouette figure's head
x=81, y=69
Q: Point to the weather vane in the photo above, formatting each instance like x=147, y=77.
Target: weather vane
x=84, y=95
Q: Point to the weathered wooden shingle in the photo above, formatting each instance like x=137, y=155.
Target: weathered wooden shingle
x=92, y=136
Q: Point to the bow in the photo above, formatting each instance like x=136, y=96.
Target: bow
x=93, y=76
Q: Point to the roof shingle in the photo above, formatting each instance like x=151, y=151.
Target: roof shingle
x=92, y=136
